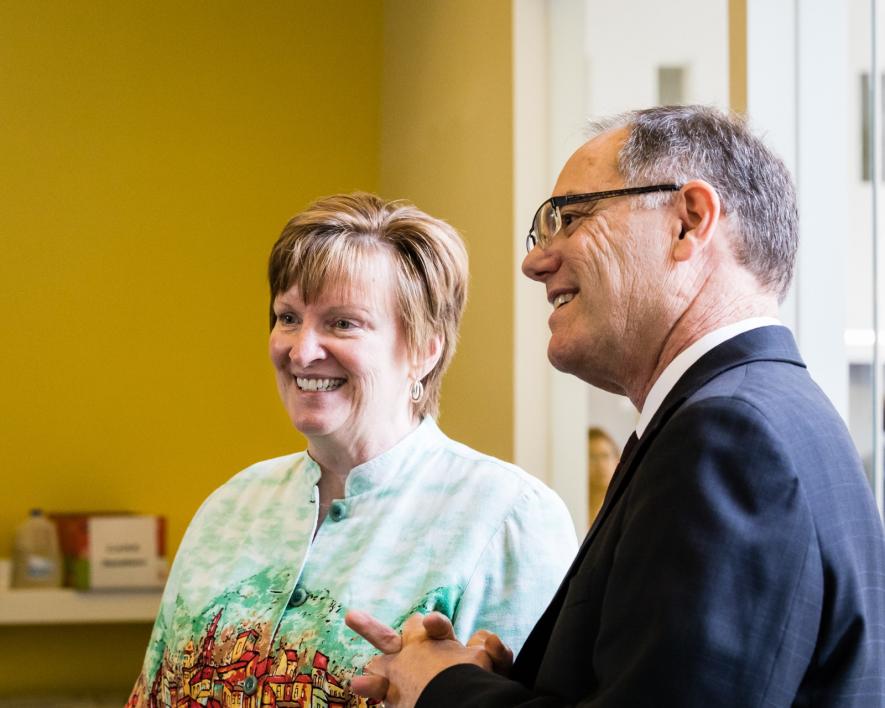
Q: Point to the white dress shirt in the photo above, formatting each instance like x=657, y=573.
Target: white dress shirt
x=683, y=361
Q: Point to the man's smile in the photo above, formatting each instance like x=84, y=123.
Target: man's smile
x=560, y=296
x=561, y=299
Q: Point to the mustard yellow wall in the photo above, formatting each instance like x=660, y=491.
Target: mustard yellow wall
x=151, y=152
x=737, y=55
x=446, y=143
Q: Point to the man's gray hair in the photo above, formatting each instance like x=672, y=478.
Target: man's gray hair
x=681, y=143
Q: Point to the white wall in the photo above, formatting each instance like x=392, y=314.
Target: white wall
x=798, y=96
x=626, y=42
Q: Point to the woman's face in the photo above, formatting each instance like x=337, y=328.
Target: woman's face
x=342, y=364
x=603, y=460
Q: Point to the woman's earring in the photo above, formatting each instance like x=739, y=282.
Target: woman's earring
x=416, y=391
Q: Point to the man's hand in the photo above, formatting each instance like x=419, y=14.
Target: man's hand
x=499, y=653
x=408, y=663
x=438, y=626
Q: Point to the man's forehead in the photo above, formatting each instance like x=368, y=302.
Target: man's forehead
x=593, y=166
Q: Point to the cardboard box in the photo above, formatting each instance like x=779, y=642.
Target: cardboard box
x=112, y=550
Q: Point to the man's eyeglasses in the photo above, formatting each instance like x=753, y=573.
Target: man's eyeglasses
x=548, y=218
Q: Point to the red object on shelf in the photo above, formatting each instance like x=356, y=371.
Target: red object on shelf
x=80, y=558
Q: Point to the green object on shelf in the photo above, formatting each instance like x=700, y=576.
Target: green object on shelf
x=77, y=573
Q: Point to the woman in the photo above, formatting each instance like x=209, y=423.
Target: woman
x=382, y=512
x=603, y=455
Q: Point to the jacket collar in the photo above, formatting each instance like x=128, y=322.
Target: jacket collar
x=762, y=344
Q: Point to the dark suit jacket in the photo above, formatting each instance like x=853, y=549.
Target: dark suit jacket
x=738, y=559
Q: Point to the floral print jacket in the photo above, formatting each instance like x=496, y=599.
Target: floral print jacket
x=252, y=614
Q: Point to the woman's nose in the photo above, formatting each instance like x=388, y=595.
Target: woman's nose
x=307, y=348
x=540, y=263
x=302, y=348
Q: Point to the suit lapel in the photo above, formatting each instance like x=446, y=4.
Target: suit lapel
x=770, y=343
x=762, y=344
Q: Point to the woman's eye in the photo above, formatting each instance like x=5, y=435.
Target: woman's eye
x=286, y=318
x=344, y=324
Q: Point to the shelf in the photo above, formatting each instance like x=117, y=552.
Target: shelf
x=65, y=606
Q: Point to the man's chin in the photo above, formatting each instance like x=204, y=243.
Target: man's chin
x=561, y=360
x=578, y=364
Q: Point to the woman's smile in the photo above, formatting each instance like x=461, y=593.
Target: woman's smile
x=309, y=383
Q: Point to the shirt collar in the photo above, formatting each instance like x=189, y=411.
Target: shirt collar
x=683, y=361
x=377, y=471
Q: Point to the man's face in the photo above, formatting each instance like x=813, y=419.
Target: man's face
x=604, y=272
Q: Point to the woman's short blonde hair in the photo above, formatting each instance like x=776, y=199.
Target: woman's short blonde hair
x=328, y=241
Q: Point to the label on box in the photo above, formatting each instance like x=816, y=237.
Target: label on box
x=123, y=552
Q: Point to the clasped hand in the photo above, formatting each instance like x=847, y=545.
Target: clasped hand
x=409, y=661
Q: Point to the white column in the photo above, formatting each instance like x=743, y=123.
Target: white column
x=797, y=94
x=549, y=101
x=531, y=186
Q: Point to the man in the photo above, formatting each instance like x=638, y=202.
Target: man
x=738, y=559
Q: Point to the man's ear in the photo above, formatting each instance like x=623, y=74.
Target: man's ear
x=699, y=212
x=429, y=358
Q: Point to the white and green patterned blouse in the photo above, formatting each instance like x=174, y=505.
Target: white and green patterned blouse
x=253, y=610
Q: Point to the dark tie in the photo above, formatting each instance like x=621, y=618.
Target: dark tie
x=625, y=456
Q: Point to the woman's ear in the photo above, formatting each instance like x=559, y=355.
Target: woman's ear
x=429, y=358
x=699, y=212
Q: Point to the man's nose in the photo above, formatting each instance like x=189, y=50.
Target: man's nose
x=540, y=263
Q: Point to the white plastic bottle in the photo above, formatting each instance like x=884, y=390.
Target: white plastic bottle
x=36, y=559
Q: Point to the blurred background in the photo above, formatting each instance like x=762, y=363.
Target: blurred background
x=152, y=151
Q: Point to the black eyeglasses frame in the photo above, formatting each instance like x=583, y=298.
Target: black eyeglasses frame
x=564, y=200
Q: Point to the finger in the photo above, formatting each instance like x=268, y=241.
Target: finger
x=413, y=629
x=378, y=634
x=438, y=626
x=369, y=686
x=478, y=656
x=499, y=653
x=478, y=638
